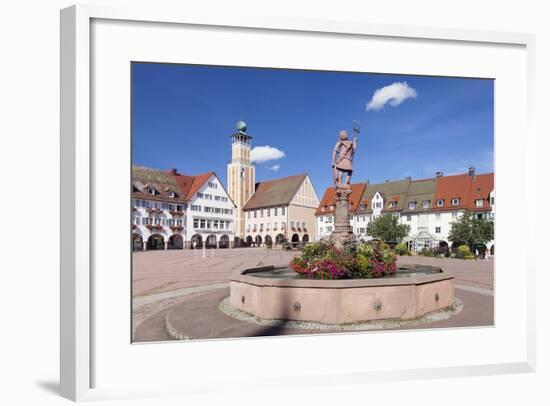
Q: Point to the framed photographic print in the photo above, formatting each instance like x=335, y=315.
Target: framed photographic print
x=243, y=192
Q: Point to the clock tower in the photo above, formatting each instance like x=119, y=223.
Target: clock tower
x=241, y=175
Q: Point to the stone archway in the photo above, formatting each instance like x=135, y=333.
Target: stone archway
x=211, y=241
x=224, y=241
x=155, y=242
x=279, y=239
x=268, y=241
x=258, y=240
x=175, y=242
x=492, y=250
x=305, y=238
x=137, y=242
x=196, y=241
x=249, y=241
x=295, y=240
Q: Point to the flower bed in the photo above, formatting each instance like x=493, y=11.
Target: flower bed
x=322, y=260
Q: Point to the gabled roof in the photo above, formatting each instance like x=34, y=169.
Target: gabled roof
x=162, y=182
x=329, y=199
x=276, y=192
x=481, y=188
x=419, y=192
x=390, y=191
x=450, y=187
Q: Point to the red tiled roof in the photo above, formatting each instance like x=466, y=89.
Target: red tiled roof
x=465, y=187
x=195, y=185
x=450, y=187
x=481, y=187
x=329, y=199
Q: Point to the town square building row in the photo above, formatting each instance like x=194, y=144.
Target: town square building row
x=171, y=210
x=428, y=206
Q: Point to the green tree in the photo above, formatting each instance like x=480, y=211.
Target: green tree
x=472, y=230
x=387, y=228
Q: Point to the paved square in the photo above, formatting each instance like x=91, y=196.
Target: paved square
x=183, y=287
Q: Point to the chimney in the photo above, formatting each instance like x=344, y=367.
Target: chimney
x=173, y=171
x=472, y=171
x=438, y=174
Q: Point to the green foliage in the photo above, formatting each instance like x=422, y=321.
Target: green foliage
x=471, y=230
x=428, y=252
x=387, y=228
x=464, y=252
x=401, y=249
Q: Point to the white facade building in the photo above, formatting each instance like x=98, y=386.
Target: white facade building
x=427, y=206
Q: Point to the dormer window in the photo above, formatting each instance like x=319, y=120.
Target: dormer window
x=440, y=202
x=323, y=208
x=331, y=207
x=393, y=205
x=171, y=195
x=479, y=203
x=412, y=205
x=362, y=207
x=151, y=191
x=426, y=204
x=455, y=201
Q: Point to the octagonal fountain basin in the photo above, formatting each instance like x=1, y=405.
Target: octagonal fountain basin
x=282, y=294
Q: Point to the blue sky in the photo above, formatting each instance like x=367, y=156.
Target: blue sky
x=183, y=116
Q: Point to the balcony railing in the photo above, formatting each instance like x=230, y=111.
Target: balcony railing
x=176, y=228
x=154, y=226
x=154, y=211
x=175, y=213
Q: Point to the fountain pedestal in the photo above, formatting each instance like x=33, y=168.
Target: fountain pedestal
x=343, y=232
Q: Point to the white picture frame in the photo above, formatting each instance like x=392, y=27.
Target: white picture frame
x=77, y=279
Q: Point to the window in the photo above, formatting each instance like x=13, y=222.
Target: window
x=438, y=230
x=331, y=207
x=377, y=205
x=283, y=225
x=438, y=216
x=268, y=212
x=350, y=217
x=151, y=191
x=283, y=210
x=213, y=185
x=255, y=213
x=321, y=230
x=145, y=221
x=479, y=203
x=275, y=211
x=195, y=208
x=426, y=204
x=329, y=228
x=303, y=225
x=261, y=212
x=412, y=205
x=492, y=201
x=323, y=208
x=454, y=215
x=440, y=202
x=203, y=223
x=261, y=226
x=455, y=201
x=200, y=195
x=362, y=207
x=408, y=217
x=321, y=219
x=179, y=207
x=275, y=226
x=171, y=195
x=292, y=224
x=393, y=205
x=479, y=216
x=136, y=220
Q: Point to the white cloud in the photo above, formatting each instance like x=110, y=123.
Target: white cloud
x=274, y=168
x=265, y=153
x=394, y=94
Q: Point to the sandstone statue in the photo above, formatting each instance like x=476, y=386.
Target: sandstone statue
x=342, y=159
